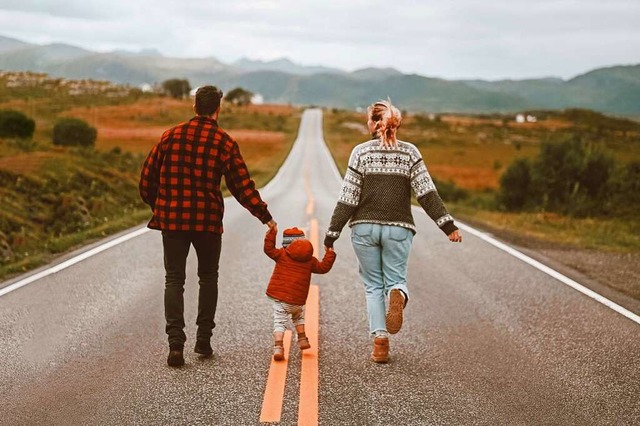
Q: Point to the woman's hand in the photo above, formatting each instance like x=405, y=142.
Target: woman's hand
x=455, y=237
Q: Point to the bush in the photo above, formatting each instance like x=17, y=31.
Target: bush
x=74, y=132
x=625, y=190
x=15, y=124
x=449, y=191
x=514, y=185
x=177, y=88
x=566, y=178
x=571, y=178
x=239, y=96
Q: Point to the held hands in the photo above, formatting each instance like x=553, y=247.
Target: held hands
x=455, y=237
x=273, y=226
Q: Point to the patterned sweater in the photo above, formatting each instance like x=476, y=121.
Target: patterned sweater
x=377, y=189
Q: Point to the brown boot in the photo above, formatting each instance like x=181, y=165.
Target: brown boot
x=278, y=350
x=380, y=350
x=303, y=341
x=396, y=308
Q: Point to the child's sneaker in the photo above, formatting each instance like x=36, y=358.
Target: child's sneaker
x=278, y=351
x=303, y=341
x=396, y=307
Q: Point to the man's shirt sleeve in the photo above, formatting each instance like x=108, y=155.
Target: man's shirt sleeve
x=242, y=186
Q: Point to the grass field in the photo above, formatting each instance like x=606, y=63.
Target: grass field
x=56, y=198
x=473, y=152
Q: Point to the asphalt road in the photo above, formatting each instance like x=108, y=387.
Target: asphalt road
x=487, y=338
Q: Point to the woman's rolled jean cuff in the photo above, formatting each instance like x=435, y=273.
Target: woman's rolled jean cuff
x=405, y=291
x=379, y=333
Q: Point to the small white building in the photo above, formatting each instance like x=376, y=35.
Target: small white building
x=520, y=118
x=257, y=99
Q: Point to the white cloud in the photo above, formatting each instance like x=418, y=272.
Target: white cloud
x=465, y=38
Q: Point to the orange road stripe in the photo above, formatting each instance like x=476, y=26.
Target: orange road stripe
x=311, y=205
x=274, y=392
x=308, y=406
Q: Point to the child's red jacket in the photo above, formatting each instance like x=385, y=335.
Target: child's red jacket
x=292, y=274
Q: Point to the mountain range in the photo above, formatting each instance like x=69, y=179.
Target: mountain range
x=613, y=90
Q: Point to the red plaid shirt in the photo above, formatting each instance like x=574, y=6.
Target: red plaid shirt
x=181, y=176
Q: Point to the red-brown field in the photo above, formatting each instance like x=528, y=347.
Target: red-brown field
x=25, y=163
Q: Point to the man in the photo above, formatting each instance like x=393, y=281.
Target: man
x=180, y=180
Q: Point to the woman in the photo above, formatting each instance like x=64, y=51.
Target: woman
x=376, y=201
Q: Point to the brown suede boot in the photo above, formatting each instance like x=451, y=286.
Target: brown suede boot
x=303, y=341
x=380, y=350
x=396, y=308
x=278, y=350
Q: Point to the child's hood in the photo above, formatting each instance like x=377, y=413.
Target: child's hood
x=300, y=250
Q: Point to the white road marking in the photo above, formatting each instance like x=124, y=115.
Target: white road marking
x=551, y=272
x=79, y=258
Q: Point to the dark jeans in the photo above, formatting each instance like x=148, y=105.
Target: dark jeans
x=176, y=248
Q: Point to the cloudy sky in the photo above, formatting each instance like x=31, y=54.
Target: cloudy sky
x=488, y=39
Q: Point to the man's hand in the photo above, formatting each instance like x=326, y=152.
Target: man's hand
x=455, y=237
x=273, y=226
x=328, y=248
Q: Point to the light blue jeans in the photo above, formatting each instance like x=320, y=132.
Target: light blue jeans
x=383, y=254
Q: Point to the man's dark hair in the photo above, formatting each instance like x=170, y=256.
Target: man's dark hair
x=207, y=100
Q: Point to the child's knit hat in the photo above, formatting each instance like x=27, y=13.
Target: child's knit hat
x=290, y=235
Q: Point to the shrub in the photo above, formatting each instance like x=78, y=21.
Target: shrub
x=515, y=185
x=177, y=88
x=16, y=124
x=74, y=132
x=625, y=190
x=566, y=178
x=239, y=96
x=571, y=178
x=449, y=191
x=69, y=214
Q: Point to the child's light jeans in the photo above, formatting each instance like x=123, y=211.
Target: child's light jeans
x=281, y=313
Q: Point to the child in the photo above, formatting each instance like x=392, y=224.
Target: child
x=289, y=284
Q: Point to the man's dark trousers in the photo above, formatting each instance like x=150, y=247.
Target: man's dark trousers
x=176, y=248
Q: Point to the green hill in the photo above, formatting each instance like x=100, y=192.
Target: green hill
x=612, y=90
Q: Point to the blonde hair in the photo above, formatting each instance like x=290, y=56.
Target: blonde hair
x=387, y=119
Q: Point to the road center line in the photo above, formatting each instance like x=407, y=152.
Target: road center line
x=308, y=405
x=274, y=392
x=309, y=373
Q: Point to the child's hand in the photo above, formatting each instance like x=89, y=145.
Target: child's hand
x=328, y=248
x=273, y=227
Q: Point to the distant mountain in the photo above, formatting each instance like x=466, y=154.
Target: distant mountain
x=283, y=65
x=375, y=73
x=143, y=52
x=7, y=44
x=612, y=90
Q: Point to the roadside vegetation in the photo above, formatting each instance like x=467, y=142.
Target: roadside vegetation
x=75, y=179
x=569, y=180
